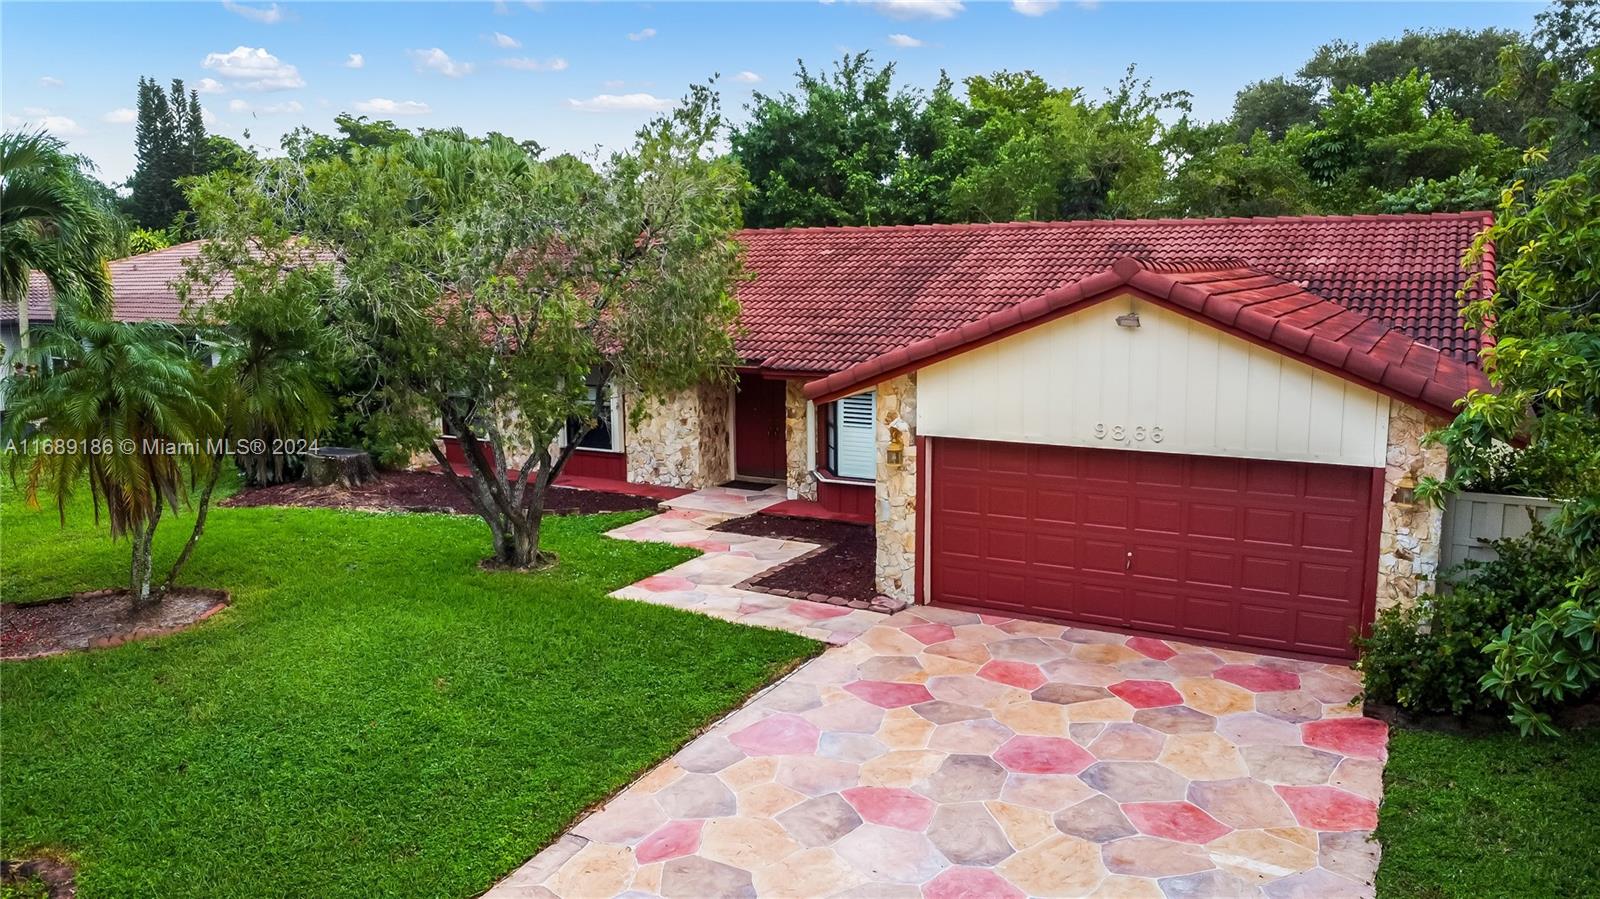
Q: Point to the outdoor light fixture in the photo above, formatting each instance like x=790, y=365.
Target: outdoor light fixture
x=1129, y=320
x=1405, y=491
x=897, y=449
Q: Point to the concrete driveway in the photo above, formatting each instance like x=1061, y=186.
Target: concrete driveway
x=945, y=754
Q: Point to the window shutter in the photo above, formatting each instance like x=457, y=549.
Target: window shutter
x=857, y=448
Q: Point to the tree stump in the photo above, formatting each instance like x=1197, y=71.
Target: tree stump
x=339, y=465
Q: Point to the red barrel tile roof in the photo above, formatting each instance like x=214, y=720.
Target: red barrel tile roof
x=824, y=299
x=1258, y=307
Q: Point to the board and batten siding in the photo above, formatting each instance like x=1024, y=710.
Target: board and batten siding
x=1171, y=385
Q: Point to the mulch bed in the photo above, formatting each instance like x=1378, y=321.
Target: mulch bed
x=425, y=491
x=843, y=572
x=56, y=877
x=99, y=619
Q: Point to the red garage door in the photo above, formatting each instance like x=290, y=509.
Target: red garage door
x=1276, y=555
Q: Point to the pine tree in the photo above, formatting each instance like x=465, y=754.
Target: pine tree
x=170, y=143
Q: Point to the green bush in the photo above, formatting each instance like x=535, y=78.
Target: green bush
x=1430, y=657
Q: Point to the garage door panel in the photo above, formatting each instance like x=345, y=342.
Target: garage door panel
x=1270, y=526
x=1163, y=516
x=1054, y=505
x=1336, y=533
x=1006, y=502
x=1267, y=554
x=1105, y=510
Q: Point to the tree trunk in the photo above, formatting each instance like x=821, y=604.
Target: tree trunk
x=22, y=323
x=199, y=527
x=143, y=545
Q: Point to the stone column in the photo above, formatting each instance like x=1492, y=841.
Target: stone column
x=683, y=439
x=798, y=451
x=1409, y=543
x=895, y=492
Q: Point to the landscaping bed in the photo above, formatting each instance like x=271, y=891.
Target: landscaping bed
x=99, y=619
x=1474, y=814
x=845, y=569
x=425, y=491
x=372, y=716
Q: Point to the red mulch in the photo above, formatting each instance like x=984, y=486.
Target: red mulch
x=425, y=491
x=58, y=877
x=847, y=568
x=99, y=619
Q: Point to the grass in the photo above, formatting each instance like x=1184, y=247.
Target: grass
x=374, y=716
x=1490, y=815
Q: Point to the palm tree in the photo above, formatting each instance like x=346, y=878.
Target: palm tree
x=55, y=222
x=118, y=407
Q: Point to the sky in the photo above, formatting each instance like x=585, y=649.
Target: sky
x=582, y=76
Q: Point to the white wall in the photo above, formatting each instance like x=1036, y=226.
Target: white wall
x=1171, y=385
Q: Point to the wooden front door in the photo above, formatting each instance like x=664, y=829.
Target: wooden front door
x=758, y=420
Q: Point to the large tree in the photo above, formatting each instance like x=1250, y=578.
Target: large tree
x=55, y=223
x=170, y=143
x=484, y=285
x=826, y=154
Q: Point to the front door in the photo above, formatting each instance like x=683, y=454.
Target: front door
x=758, y=420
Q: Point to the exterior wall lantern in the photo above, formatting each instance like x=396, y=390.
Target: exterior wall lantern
x=896, y=451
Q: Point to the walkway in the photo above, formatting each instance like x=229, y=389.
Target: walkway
x=945, y=754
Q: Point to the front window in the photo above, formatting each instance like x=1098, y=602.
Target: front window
x=601, y=436
x=852, y=437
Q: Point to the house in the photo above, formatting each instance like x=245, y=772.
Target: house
x=1206, y=429
x=141, y=286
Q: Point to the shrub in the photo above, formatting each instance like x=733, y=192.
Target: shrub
x=1429, y=657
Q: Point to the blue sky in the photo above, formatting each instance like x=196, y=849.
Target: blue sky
x=576, y=76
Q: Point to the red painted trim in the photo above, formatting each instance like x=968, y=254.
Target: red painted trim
x=846, y=498
x=800, y=508
x=1369, y=605
x=595, y=463
x=919, y=589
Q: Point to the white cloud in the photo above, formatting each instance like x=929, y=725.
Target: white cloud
x=207, y=116
x=266, y=15
x=504, y=41
x=254, y=69
x=747, y=77
x=904, y=40
x=1034, y=7
x=237, y=105
x=120, y=116
x=919, y=9
x=613, y=84
x=50, y=81
x=621, y=103
x=34, y=117
x=385, y=106
x=529, y=64
x=502, y=8
x=355, y=61
x=436, y=60
x=210, y=86
x=643, y=34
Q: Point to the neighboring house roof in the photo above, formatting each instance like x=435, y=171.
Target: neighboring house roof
x=1256, y=306
x=142, y=287
x=824, y=299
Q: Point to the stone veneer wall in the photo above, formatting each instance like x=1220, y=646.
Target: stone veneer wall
x=682, y=441
x=802, y=482
x=895, y=493
x=1410, y=540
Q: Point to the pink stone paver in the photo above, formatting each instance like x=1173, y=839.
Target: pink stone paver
x=919, y=757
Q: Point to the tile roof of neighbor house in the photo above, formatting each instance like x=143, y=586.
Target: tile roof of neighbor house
x=1259, y=307
x=141, y=285
x=824, y=299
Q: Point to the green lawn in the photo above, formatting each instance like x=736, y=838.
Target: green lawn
x=374, y=716
x=1495, y=815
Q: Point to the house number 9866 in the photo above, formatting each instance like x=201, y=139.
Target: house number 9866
x=1139, y=433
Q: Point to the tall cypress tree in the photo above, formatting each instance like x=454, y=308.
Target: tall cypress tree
x=170, y=143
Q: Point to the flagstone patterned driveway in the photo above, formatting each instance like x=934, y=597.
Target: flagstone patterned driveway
x=943, y=754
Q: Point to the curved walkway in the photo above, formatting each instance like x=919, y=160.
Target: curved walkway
x=945, y=754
